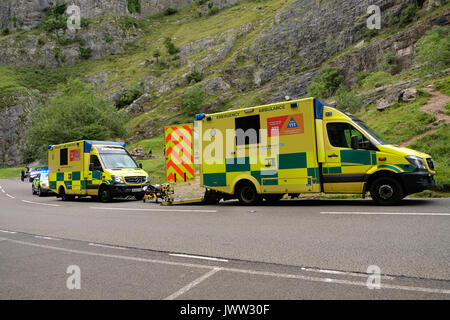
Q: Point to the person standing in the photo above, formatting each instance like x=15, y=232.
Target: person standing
x=22, y=175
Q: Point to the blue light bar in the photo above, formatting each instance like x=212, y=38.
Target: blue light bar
x=88, y=144
x=199, y=116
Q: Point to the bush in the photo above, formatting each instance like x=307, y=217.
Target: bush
x=348, y=100
x=130, y=94
x=194, y=77
x=73, y=114
x=193, y=99
x=134, y=6
x=389, y=62
x=54, y=18
x=433, y=49
x=326, y=82
x=85, y=53
x=201, y=2
x=213, y=11
x=170, y=46
x=170, y=11
x=5, y=31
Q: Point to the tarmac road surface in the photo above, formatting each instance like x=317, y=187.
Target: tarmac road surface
x=298, y=249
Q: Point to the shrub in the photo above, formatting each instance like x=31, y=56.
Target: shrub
x=194, y=77
x=201, y=2
x=170, y=46
x=54, y=18
x=134, y=6
x=73, y=114
x=348, y=100
x=193, y=99
x=130, y=94
x=389, y=62
x=433, y=49
x=213, y=11
x=326, y=82
x=5, y=31
x=170, y=11
x=85, y=53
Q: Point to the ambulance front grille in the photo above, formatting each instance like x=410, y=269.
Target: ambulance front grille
x=135, y=179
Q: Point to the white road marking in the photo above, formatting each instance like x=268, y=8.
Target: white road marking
x=5, y=231
x=197, y=257
x=43, y=204
x=354, y=274
x=46, y=238
x=3, y=191
x=159, y=210
x=8, y=195
x=389, y=213
x=106, y=246
x=192, y=284
x=253, y=272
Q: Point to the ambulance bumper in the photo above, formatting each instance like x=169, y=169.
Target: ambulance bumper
x=418, y=181
x=124, y=189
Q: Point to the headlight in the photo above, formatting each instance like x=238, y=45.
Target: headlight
x=117, y=179
x=416, y=162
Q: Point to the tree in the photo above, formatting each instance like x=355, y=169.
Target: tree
x=326, y=82
x=170, y=46
x=73, y=114
x=193, y=99
x=433, y=50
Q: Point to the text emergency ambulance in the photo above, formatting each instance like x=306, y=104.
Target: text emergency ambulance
x=302, y=146
x=102, y=169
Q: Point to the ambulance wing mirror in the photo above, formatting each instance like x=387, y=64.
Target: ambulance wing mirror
x=140, y=165
x=354, y=142
x=91, y=167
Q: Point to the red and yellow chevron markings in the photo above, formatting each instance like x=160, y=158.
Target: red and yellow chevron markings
x=179, y=152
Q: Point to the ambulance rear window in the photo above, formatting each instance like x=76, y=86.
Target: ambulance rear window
x=63, y=157
x=249, y=130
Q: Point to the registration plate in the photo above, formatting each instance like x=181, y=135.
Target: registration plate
x=136, y=190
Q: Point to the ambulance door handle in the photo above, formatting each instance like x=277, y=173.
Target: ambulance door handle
x=332, y=155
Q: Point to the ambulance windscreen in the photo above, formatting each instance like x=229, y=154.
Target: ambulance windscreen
x=116, y=158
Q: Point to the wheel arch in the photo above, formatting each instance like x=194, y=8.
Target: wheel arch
x=383, y=173
x=238, y=181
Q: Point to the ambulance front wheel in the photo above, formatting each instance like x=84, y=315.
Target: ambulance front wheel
x=247, y=194
x=139, y=196
x=104, y=194
x=386, y=191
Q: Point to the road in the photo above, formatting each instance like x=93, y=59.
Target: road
x=298, y=249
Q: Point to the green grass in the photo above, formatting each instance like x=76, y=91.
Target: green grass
x=399, y=122
x=443, y=85
x=155, y=169
x=7, y=173
x=437, y=145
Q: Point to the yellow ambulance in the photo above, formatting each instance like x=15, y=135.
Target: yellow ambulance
x=304, y=146
x=102, y=169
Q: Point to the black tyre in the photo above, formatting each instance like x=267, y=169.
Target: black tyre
x=64, y=196
x=273, y=198
x=105, y=194
x=139, y=196
x=247, y=195
x=39, y=192
x=386, y=191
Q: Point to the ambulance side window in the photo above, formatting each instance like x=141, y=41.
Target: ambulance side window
x=63, y=157
x=249, y=130
x=340, y=134
x=96, y=162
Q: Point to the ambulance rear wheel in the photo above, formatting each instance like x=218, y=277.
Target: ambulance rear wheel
x=247, y=194
x=386, y=191
x=64, y=196
x=104, y=194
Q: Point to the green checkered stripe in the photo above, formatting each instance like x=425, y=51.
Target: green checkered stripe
x=264, y=177
x=71, y=180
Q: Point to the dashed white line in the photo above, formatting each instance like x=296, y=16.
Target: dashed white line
x=244, y=271
x=41, y=203
x=158, y=210
x=46, y=238
x=8, y=195
x=354, y=274
x=197, y=257
x=3, y=191
x=389, y=213
x=106, y=246
x=192, y=284
x=5, y=231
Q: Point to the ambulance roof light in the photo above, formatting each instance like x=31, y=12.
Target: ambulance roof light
x=199, y=116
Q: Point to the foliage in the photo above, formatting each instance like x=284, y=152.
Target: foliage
x=212, y=11
x=85, y=53
x=5, y=31
x=130, y=94
x=433, y=50
x=170, y=46
x=326, y=82
x=195, y=76
x=54, y=18
x=73, y=114
x=348, y=100
x=443, y=85
x=436, y=144
x=134, y=6
x=389, y=62
x=375, y=80
x=193, y=99
x=170, y=11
